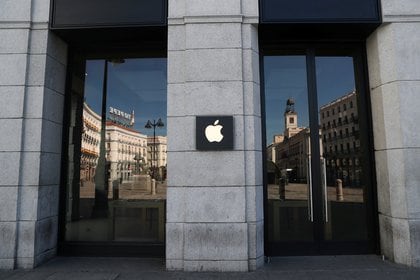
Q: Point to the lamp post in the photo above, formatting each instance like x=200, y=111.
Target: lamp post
x=153, y=125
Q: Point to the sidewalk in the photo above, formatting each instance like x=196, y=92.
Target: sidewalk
x=320, y=267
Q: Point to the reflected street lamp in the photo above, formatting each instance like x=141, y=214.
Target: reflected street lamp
x=153, y=125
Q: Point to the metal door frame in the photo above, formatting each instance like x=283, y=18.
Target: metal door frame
x=319, y=246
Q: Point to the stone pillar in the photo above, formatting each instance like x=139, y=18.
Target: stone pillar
x=394, y=74
x=32, y=76
x=214, y=199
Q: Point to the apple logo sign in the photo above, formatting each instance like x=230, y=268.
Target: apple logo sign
x=213, y=132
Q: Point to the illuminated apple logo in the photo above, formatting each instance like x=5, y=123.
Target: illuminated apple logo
x=213, y=132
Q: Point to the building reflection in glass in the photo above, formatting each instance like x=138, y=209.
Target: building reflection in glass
x=338, y=196
x=128, y=158
x=288, y=158
x=135, y=200
x=288, y=186
x=288, y=154
x=341, y=145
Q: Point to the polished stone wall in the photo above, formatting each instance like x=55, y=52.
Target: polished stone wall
x=215, y=198
x=32, y=78
x=394, y=74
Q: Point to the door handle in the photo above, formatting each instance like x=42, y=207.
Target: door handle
x=310, y=200
x=325, y=189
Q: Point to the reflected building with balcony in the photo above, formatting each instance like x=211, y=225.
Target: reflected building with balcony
x=290, y=151
x=340, y=140
x=91, y=137
x=125, y=151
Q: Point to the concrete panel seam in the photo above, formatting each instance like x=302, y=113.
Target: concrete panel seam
x=211, y=223
x=39, y=26
x=26, y=118
x=398, y=218
x=11, y=53
x=394, y=81
x=251, y=20
x=40, y=220
x=218, y=260
x=206, y=19
x=43, y=86
x=47, y=55
x=15, y=25
x=401, y=18
x=13, y=118
x=176, y=83
x=175, y=21
x=214, y=48
x=397, y=148
x=36, y=152
x=211, y=81
x=29, y=186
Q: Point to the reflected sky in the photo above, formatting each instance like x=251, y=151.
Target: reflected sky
x=334, y=78
x=138, y=84
x=286, y=77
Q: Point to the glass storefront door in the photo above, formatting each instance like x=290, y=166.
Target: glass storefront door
x=318, y=178
x=116, y=167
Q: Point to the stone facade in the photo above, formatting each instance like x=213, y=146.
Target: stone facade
x=32, y=80
x=394, y=74
x=214, y=199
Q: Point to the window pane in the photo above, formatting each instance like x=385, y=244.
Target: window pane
x=288, y=151
x=117, y=180
x=343, y=182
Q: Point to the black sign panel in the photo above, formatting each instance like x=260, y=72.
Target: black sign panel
x=214, y=133
x=318, y=11
x=107, y=13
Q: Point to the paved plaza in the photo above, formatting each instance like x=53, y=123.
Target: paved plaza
x=319, y=267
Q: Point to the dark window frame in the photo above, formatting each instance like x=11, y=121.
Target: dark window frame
x=357, y=49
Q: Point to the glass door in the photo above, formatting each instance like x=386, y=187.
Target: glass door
x=289, y=188
x=318, y=182
x=116, y=158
